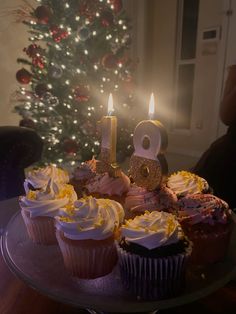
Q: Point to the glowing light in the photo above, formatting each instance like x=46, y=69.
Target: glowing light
x=75, y=121
x=49, y=86
x=120, y=22
x=72, y=163
x=151, y=106
x=73, y=137
x=78, y=71
x=86, y=144
x=86, y=52
x=94, y=33
x=110, y=107
x=95, y=67
x=63, y=66
x=124, y=27
x=60, y=160
x=67, y=5
x=67, y=82
x=77, y=18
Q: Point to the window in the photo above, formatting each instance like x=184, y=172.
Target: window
x=185, y=62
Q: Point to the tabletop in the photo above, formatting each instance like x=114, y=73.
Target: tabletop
x=17, y=298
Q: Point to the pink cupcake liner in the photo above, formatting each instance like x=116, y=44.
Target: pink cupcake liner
x=41, y=230
x=153, y=278
x=87, y=262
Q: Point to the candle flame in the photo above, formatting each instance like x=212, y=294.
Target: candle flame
x=110, y=107
x=151, y=106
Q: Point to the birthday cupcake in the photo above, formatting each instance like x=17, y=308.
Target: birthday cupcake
x=38, y=178
x=139, y=199
x=206, y=220
x=82, y=175
x=86, y=233
x=106, y=186
x=153, y=254
x=39, y=207
x=183, y=183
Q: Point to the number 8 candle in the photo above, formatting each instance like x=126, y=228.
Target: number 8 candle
x=148, y=166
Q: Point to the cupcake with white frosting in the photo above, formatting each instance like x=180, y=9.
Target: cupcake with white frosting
x=152, y=255
x=39, y=207
x=183, y=183
x=38, y=178
x=86, y=233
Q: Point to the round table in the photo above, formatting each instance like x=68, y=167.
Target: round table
x=42, y=268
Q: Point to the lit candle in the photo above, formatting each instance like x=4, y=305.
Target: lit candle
x=107, y=159
x=148, y=165
x=109, y=133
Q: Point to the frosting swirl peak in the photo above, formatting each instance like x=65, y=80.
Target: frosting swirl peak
x=152, y=230
x=90, y=218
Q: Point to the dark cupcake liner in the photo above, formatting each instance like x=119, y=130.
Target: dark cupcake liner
x=153, y=278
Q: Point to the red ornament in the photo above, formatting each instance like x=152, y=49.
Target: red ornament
x=117, y=4
x=109, y=61
x=23, y=76
x=106, y=18
x=81, y=93
x=32, y=50
x=43, y=14
x=27, y=123
x=58, y=33
x=70, y=146
x=41, y=89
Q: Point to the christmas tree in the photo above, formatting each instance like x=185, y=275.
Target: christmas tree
x=76, y=56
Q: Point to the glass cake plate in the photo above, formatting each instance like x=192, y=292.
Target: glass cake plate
x=42, y=268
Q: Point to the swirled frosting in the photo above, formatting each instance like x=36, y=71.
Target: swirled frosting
x=47, y=201
x=203, y=208
x=104, y=184
x=90, y=218
x=84, y=172
x=184, y=182
x=38, y=178
x=138, y=199
x=152, y=230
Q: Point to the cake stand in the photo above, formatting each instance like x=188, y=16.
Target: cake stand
x=42, y=268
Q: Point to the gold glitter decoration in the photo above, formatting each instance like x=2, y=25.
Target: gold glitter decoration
x=104, y=164
x=148, y=173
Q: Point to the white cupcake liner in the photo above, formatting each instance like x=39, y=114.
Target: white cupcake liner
x=87, y=262
x=40, y=231
x=153, y=278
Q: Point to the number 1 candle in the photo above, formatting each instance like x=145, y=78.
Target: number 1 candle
x=107, y=159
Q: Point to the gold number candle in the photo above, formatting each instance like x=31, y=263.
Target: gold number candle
x=107, y=159
x=148, y=166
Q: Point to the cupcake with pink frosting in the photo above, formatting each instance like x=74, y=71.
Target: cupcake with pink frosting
x=39, y=207
x=105, y=186
x=86, y=233
x=206, y=220
x=139, y=199
x=82, y=175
